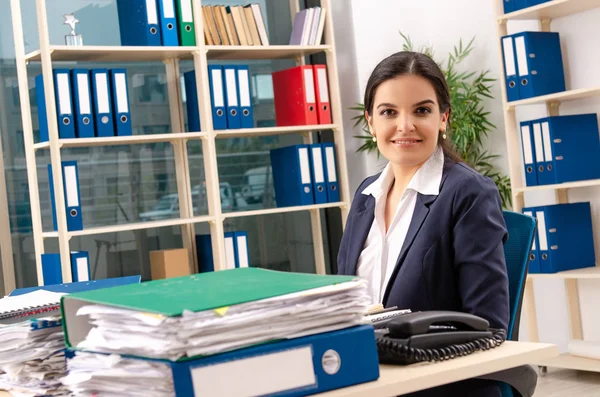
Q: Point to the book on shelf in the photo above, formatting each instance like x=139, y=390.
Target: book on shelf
x=234, y=25
x=308, y=26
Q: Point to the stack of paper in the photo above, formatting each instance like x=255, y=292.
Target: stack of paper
x=110, y=375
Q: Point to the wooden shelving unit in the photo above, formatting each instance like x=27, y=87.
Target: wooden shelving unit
x=170, y=56
x=545, y=13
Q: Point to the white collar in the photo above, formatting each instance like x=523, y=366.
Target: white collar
x=426, y=180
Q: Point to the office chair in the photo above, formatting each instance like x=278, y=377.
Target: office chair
x=520, y=381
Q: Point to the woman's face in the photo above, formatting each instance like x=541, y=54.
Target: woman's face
x=406, y=120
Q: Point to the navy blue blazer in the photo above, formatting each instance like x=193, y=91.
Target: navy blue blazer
x=452, y=257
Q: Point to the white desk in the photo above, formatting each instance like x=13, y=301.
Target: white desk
x=396, y=380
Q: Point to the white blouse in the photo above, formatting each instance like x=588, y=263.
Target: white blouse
x=381, y=250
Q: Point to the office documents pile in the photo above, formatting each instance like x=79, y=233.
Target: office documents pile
x=32, y=346
x=181, y=336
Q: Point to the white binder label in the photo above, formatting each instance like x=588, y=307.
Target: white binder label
x=509, y=56
x=537, y=138
x=542, y=230
x=304, y=167
x=547, y=142
x=229, y=253
x=82, y=270
x=217, y=82
x=71, y=186
x=318, y=165
x=83, y=88
x=529, y=213
x=527, y=149
x=331, y=172
x=168, y=8
x=102, y=93
x=186, y=11
x=521, y=56
x=121, y=85
x=64, y=93
x=244, y=84
x=309, y=85
x=151, y=12
x=323, y=90
x=254, y=375
x=230, y=80
x=242, y=246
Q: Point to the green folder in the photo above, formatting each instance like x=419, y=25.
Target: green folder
x=185, y=23
x=205, y=291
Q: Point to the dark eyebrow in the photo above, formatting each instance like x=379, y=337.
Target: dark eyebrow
x=424, y=102
x=387, y=105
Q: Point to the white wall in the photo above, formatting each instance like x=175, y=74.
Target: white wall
x=368, y=30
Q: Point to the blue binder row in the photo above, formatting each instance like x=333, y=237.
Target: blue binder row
x=532, y=64
x=70, y=173
x=560, y=149
x=331, y=360
x=80, y=267
x=230, y=96
x=565, y=239
x=305, y=174
x=516, y=5
x=237, y=253
x=89, y=103
x=151, y=22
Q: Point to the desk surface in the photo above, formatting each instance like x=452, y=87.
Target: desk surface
x=396, y=380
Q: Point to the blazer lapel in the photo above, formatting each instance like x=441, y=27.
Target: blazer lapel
x=360, y=225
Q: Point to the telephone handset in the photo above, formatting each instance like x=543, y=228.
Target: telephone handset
x=434, y=336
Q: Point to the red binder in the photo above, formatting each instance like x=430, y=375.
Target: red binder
x=322, y=94
x=294, y=91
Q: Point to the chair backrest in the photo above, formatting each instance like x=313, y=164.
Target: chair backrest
x=517, y=249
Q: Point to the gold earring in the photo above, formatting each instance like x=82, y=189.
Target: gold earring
x=374, y=138
x=443, y=134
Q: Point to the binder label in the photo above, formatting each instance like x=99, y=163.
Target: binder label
x=102, y=93
x=242, y=251
x=318, y=165
x=217, y=88
x=509, y=58
x=229, y=253
x=244, y=88
x=304, y=167
x=323, y=90
x=121, y=85
x=82, y=269
x=537, y=138
x=547, y=142
x=529, y=213
x=521, y=56
x=526, y=138
x=168, y=8
x=542, y=231
x=254, y=375
x=151, y=12
x=84, y=93
x=331, y=174
x=71, y=186
x=309, y=85
x=64, y=93
x=231, y=88
x=186, y=11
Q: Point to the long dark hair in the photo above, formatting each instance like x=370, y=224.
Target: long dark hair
x=408, y=62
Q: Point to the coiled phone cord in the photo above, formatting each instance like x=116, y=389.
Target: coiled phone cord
x=412, y=354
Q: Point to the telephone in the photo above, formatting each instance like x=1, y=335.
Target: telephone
x=434, y=336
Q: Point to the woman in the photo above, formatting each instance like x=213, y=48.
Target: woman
x=427, y=233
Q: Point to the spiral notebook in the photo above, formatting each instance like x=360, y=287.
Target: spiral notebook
x=34, y=304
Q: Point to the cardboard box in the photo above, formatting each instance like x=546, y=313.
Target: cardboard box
x=169, y=263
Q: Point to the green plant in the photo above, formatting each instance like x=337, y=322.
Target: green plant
x=469, y=123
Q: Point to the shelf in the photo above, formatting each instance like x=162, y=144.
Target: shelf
x=250, y=132
x=586, y=273
x=281, y=210
x=113, y=53
x=132, y=226
x=571, y=362
x=558, y=186
x=552, y=10
x=122, y=140
x=570, y=95
x=262, y=52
